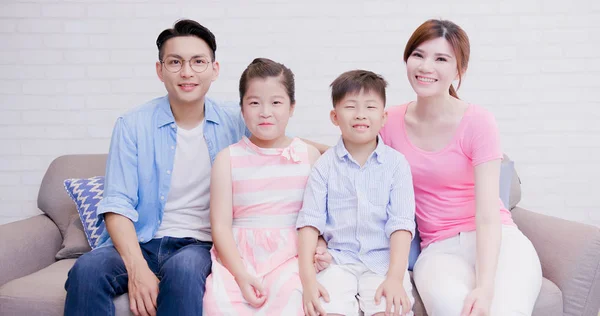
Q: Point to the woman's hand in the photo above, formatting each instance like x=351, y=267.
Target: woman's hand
x=478, y=302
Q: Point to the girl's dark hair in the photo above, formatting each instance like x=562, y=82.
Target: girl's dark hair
x=264, y=68
x=455, y=35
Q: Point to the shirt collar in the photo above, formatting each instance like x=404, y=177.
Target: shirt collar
x=210, y=111
x=379, y=151
x=165, y=115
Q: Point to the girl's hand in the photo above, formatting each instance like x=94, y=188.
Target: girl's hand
x=252, y=290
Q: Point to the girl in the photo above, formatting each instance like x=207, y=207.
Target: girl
x=257, y=187
x=474, y=261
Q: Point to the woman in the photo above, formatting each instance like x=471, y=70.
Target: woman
x=474, y=261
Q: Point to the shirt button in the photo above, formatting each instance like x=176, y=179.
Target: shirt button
x=162, y=197
x=158, y=222
x=173, y=147
x=142, y=239
x=168, y=171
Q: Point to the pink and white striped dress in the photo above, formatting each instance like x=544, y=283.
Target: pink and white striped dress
x=268, y=187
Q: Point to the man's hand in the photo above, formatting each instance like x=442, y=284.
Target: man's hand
x=143, y=291
x=311, y=302
x=395, y=295
x=252, y=290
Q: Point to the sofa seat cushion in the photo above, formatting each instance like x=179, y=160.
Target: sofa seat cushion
x=40, y=293
x=549, y=302
x=43, y=293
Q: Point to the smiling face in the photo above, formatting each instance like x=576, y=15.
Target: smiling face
x=360, y=116
x=187, y=86
x=432, y=67
x=266, y=109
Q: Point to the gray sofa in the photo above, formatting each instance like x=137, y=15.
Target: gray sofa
x=32, y=280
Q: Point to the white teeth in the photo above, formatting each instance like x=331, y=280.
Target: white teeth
x=426, y=79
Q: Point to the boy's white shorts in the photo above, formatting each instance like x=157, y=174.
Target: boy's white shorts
x=351, y=285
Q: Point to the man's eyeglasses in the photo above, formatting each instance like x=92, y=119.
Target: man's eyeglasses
x=198, y=64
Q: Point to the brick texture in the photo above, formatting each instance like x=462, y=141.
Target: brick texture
x=68, y=68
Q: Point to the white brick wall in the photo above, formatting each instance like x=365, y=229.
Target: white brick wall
x=68, y=68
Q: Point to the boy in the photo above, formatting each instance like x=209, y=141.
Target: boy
x=360, y=198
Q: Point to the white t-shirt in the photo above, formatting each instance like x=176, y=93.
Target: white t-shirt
x=187, y=207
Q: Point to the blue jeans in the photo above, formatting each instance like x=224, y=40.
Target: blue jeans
x=181, y=265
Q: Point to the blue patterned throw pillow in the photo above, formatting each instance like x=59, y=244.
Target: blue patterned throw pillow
x=87, y=193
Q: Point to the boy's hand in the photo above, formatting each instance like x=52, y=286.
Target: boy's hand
x=310, y=298
x=322, y=258
x=395, y=295
x=252, y=290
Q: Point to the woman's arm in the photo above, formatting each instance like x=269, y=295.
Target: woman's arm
x=489, y=236
x=488, y=223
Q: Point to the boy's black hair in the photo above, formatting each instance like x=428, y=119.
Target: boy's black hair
x=354, y=81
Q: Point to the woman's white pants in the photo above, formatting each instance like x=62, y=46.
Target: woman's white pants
x=444, y=274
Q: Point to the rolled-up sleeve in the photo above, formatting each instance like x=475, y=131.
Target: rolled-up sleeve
x=314, y=206
x=121, y=182
x=401, y=211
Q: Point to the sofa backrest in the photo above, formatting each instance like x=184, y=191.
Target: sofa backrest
x=515, y=187
x=52, y=198
x=56, y=203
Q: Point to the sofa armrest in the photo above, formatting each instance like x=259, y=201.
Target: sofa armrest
x=27, y=246
x=570, y=257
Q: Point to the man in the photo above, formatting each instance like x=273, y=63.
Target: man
x=156, y=201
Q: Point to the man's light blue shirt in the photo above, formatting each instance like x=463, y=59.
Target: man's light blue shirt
x=357, y=209
x=141, y=157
